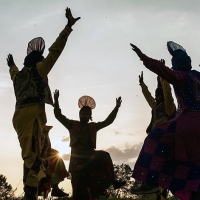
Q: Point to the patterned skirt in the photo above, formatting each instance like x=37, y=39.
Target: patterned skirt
x=91, y=175
x=57, y=169
x=170, y=156
x=57, y=172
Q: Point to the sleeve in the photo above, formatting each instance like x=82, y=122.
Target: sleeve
x=55, y=50
x=176, y=78
x=147, y=95
x=62, y=119
x=13, y=72
x=169, y=101
x=109, y=120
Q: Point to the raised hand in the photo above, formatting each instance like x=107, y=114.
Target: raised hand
x=141, y=78
x=118, y=102
x=162, y=61
x=56, y=96
x=137, y=51
x=71, y=19
x=10, y=60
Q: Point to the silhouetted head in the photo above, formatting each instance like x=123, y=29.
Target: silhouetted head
x=85, y=114
x=180, y=60
x=159, y=96
x=35, y=50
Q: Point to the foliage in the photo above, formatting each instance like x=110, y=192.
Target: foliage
x=122, y=172
x=6, y=191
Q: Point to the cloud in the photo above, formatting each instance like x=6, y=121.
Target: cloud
x=65, y=139
x=117, y=132
x=65, y=157
x=127, y=155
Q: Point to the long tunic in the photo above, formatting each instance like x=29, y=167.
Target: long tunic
x=29, y=121
x=170, y=156
x=162, y=112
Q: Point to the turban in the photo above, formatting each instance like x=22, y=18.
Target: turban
x=86, y=104
x=180, y=59
x=35, y=50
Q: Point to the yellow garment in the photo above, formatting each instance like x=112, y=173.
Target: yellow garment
x=170, y=109
x=169, y=105
x=31, y=121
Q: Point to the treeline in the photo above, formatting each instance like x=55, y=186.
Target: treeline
x=122, y=172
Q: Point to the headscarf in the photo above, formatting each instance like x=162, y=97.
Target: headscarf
x=86, y=104
x=180, y=59
x=35, y=50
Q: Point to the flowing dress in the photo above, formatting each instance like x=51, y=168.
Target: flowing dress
x=170, y=156
x=29, y=119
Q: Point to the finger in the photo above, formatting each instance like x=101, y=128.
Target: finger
x=70, y=12
x=77, y=19
x=134, y=47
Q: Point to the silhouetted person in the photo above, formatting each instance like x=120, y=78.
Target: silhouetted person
x=163, y=109
x=92, y=171
x=32, y=92
x=170, y=154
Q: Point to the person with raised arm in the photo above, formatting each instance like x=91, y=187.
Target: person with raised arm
x=163, y=109
x=32, y=92
x=170, y=153
x=92, y=170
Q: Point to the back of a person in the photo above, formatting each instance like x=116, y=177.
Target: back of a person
x=188, y=96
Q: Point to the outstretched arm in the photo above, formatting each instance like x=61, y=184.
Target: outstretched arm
x=57, y=112
x=57, y=47
x=174, y=77
x=111, y=117
x=145, y=91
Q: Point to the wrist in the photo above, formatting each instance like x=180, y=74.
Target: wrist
x=69, y=24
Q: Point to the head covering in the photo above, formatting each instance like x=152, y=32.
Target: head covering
x=159, y=91
x=180, y=59
x=86, y=104
x=36, y=44
x=35, y=50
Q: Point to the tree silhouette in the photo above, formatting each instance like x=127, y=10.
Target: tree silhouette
x=122, y=172
x=6, y=191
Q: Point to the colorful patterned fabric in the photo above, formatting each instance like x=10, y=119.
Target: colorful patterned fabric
x=56, y=173
x=31, y=89
x=91, y=175
x=162, y=112
x=170, y=154
x=75, y=129
x=57, y=169
x=92, y=171
x=30, y=121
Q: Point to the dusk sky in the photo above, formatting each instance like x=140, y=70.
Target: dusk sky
x=97, y=61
